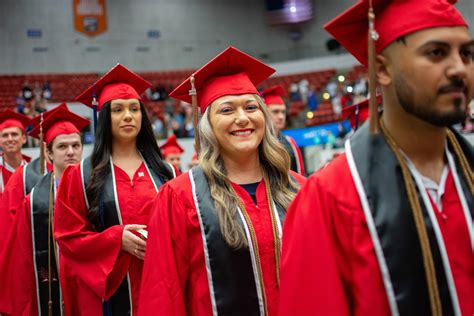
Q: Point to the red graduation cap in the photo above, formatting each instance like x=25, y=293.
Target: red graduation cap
x=393, y=19
x=9, y=118
x=232, y=72
x=37, y=119
x=358, y=113
x=273, y=95
x=59, y=122
x=171, y=146
x=118, y=83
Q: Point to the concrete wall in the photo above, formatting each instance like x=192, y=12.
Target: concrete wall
x=192, y=31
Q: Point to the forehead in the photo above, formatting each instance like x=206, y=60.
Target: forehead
x=124, y=102
x=234, y=99
x=10, y=130
x=277, y=107
x=458, y=35
x=67, y=139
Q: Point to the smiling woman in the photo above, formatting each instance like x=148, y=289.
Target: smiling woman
x=214, y=237
x=97, y=227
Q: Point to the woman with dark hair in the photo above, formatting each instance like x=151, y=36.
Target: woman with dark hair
x=215, y=233
x=100, y=219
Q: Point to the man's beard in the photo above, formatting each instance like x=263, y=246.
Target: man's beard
x=424, y=108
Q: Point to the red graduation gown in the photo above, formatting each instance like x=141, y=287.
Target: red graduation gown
x=92, y=264
x=175, y=280
x=10, y=202
x=329, y=265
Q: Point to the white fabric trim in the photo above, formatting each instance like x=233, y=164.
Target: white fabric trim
x=254, y=263
x=84, y=192
x=34, y=251
x=2, y=186
x=277, y=217
x=295, y=152
x=373, y=231
x=172, y=169
x=24, y=180
x=206, y=251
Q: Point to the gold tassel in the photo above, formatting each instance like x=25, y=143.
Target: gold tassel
x=192, y=93
x=42, y=155
x=373, y=107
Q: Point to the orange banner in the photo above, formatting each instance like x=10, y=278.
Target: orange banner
x=90, y=17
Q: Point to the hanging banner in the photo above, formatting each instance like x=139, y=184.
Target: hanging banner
x=90, y=17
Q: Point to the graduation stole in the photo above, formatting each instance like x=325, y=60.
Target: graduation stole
x=109, y=215
x=233, y=275
x=44, y=246
x=295, y=164
x=379, y=181
x=31, y=175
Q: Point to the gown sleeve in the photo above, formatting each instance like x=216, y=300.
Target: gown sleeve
x=93, y=256
x=166, y=268
x=310, y=282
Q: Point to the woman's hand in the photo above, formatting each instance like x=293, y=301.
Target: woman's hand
x=131, y=242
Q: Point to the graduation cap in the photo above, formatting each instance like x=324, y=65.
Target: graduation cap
x=118, y=83
x=171, y=146
x=394, y=18
x=59, y=122
x=232, y=72
x=9, y=118
x=273, y=95
x=358, y=113
x=37, y=119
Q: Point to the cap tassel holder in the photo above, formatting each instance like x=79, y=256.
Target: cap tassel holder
x=42, y=153
x=373, y=107
x=195, y=105
x=94, y=111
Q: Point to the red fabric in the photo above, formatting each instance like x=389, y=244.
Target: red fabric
x=171, y=146
x=329, y=265
x=393, y=19
x=232, y=72
x=453, y=227
x=93, y=264
x=298, y=155
x=9, y=118
x=60, y=121
x=273, y=95
x=118, y=83
x=174, y=278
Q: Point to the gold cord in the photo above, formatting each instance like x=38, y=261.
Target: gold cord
x=466, y=169
x=50, y=218
x=253, y=236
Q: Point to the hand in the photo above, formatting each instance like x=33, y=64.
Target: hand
x=131, y=242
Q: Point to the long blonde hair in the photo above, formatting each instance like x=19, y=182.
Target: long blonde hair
x=274, y=160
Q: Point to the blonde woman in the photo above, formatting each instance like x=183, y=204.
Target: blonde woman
x=215, y=233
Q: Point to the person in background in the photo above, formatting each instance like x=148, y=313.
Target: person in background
x=273, y=99
x=31, y=263
x=172, y=152
x=100, y=229
x=13, y=133
x=214, y=238
x=386, y=228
